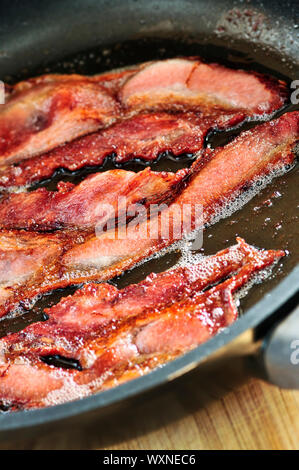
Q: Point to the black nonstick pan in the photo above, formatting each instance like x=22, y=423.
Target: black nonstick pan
x=93, y=36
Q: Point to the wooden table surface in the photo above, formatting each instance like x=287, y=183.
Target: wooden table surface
x=220, y=406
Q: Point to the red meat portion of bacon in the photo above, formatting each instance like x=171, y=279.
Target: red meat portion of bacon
x=25, y=385
x=29, y=264
x=144, y=136
x=220, y=177
x=100, y=201
x=43, y=113
x=181, y=81
x=116, y=337
x=101, y=197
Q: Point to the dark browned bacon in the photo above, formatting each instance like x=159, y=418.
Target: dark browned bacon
x=190, y=81
x=99, y=198
x=216, y=179
x=50, y=110
x=220, y=177
x=102, y=335
x=144, y=136
x=96, y=305
x=43, y=113
x=113, y=336
x=28, y=263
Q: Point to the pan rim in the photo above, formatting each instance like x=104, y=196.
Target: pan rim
x=268, y=305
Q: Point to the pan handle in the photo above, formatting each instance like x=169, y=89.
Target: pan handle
x=280, y=352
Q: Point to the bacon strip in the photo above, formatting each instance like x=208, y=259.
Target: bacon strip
x=99, y=198
x=46, y=111
x=181, y=81
x=217, y=178
x=82, y=210
x=24, y=258
x=116, y=335
x=145, y=136
x=43, y=113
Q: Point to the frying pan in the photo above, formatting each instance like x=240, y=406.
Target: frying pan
x=91, y=36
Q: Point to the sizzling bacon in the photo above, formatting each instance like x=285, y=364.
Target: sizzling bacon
x=216, y=179
x=46, y=111
x=43, y=113
x=144, y=136
x=116, y=335
x=27, y=264
x=113, y=335
x=96, y=305
x=184, y=81
x=220, y=178
x=99, y=198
